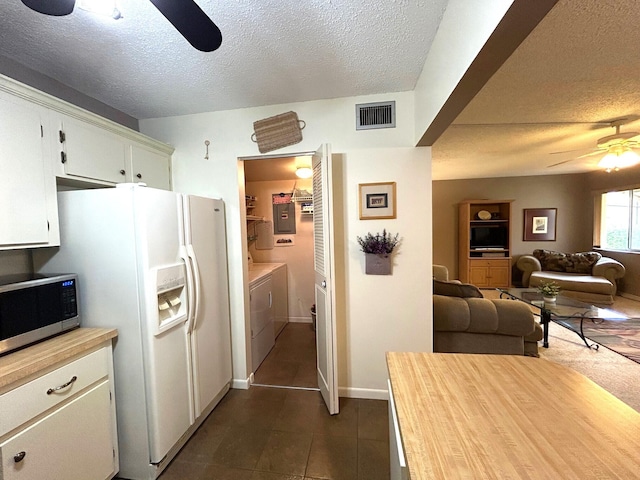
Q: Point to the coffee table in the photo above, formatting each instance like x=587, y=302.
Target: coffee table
x=561, y=311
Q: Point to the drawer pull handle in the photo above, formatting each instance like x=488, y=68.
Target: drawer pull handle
x=65, y=385
x=18, y=457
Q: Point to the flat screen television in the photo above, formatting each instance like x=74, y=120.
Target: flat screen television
x=489, y=236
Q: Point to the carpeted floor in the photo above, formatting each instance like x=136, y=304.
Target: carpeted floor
x=612, y=371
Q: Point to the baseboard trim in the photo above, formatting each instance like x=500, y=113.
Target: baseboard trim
x=300, y=320
x=629, y=296
x=241, y=384
x=367, y=393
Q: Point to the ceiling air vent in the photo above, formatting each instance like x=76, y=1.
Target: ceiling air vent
x=375, y=115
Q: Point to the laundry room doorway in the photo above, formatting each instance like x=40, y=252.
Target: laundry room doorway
x=293, y=226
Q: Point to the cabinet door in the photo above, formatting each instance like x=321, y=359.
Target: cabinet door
x=500, y=276
x=23, y=180
x=489, y=273
x=72, y=442
x=92, y=152
x=152, y=168
x=479, y=275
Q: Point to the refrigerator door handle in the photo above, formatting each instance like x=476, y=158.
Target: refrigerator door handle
x=196, y=277
x=184, y=254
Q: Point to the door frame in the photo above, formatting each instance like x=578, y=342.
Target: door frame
x=245, y=247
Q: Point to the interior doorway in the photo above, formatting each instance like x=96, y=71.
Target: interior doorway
x=292, y=361
x=289, y=359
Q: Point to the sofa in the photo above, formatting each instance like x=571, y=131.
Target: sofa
x=585, y=276
x=466, y=322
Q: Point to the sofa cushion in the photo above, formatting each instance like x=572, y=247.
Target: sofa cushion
x=455, y=289
x=574, y=282
x=551, y=261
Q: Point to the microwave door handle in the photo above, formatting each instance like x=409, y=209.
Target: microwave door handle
x=184, y=255
x=196, y=277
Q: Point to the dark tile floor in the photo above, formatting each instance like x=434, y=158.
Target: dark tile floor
x=267, y=433
x=292, y=361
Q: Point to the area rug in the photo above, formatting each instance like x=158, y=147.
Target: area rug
x=622, y=337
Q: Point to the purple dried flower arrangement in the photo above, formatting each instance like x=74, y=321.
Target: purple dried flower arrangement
x=379, y=244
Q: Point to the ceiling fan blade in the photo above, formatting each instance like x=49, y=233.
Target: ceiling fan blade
x=56, y=8
x=568, y=151
x=561, y=163
x=596, y=152
x=194, y=25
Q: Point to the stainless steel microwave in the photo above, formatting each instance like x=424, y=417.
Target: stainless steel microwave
x=34, y=307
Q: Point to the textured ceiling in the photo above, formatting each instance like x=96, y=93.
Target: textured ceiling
x=273, y=52
x=577, y=70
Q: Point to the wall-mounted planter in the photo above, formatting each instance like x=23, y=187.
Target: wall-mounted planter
x=376, y=264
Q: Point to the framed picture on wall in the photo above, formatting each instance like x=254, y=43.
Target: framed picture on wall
x=539, y=224
x=377, y=200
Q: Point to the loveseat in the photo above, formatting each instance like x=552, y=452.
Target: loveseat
x=586, y=276
x=466, y=322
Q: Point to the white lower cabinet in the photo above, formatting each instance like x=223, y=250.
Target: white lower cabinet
x=61, y=425
x=72, y=442
x=397, y=461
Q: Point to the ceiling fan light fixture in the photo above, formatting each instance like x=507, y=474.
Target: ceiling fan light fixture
x=106, y=8
x=618, y=158
x=304, y=172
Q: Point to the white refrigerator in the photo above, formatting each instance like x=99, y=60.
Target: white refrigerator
x=151, y=263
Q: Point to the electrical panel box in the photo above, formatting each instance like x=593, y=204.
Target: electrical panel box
x=284, y=218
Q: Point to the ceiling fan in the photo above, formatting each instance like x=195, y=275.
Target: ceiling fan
x=618, y=149
x=185, y=15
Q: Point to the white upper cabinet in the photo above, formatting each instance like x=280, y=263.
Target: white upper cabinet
x=97, y=153
x=27, y=184
x=91, y=152
x=150, y=167
x=46, y=142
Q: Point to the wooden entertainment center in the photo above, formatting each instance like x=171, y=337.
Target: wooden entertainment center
x=484, y=242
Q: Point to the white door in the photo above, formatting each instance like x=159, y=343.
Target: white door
x=327, y=364
x=210, y=329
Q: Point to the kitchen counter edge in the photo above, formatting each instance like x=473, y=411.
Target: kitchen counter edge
x=24, y=363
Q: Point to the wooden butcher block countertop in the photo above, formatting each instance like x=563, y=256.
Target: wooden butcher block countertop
x=24, y=363
x=503, y=416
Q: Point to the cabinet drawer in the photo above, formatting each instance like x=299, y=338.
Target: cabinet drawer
x=72, y=442
x=490, y=263
x=31, y=399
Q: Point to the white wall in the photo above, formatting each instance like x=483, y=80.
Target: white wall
x=384, y=312
x=463, y=31
x=15, y=261
x=370, y=322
